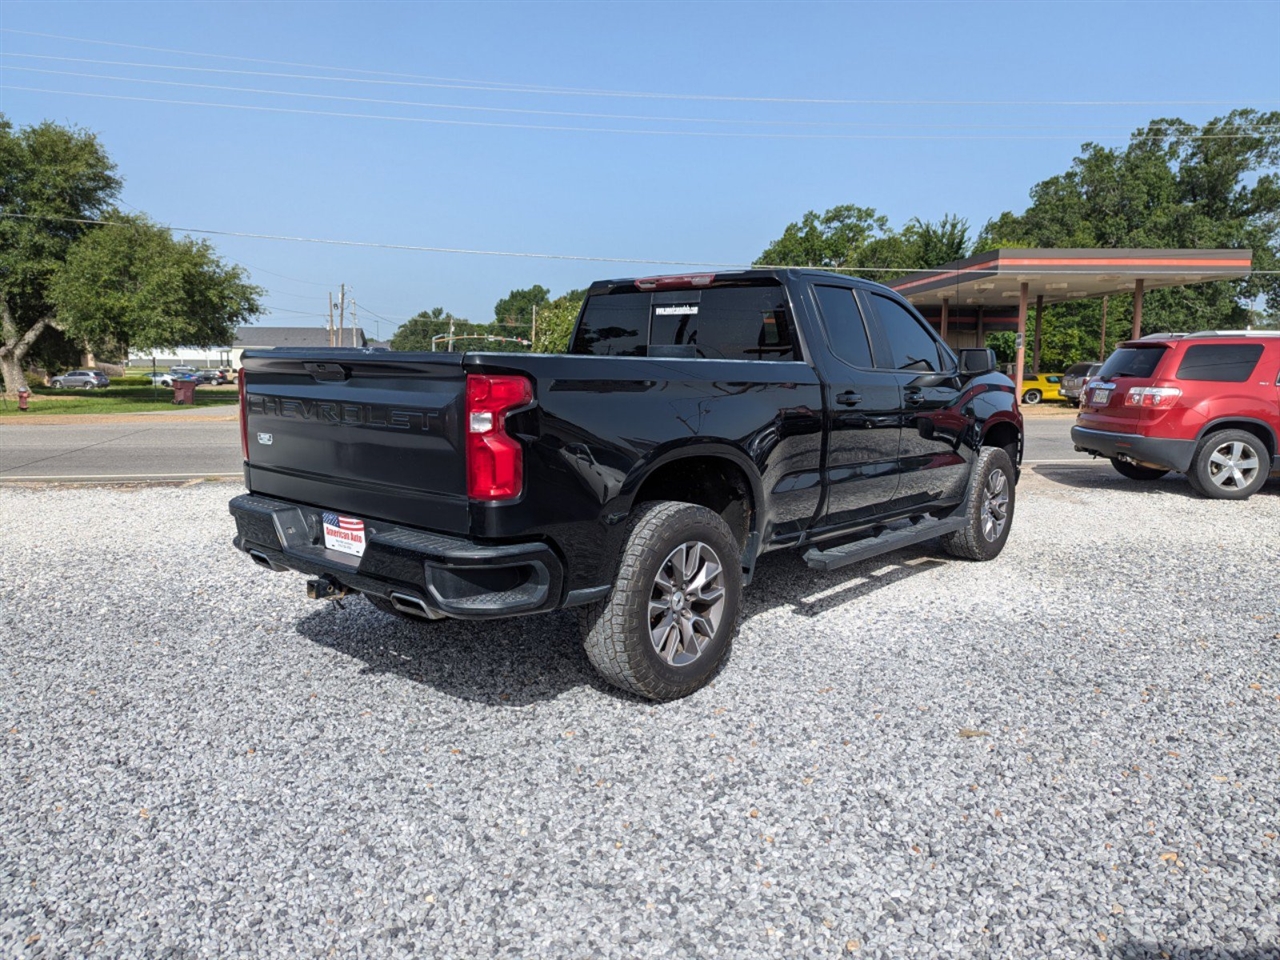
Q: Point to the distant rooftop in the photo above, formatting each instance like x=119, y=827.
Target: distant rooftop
x=248, y=337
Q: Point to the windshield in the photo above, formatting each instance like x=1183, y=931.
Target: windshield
x=1132, y=362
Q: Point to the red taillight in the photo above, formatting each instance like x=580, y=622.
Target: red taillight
x=495, y=461
x=675, y=283
x=1152, y=397
x=244, y=420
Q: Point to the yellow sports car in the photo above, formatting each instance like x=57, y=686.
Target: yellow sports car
x=1045, y=386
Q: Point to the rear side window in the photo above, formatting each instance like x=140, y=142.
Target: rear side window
x=913, y=347
x=845, y=329
x=719, y=323
x=1132, y=362
x=1221, y=362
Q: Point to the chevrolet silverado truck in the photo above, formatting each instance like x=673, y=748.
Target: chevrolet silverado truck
x=695, y=423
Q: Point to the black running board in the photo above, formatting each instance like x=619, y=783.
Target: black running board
x=890, y=539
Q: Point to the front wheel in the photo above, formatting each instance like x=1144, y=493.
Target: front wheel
x=56, y=384
x=1136, y=471
x=988, y=508
x=669, y=623
x=1229, y=465
x=1031, y=396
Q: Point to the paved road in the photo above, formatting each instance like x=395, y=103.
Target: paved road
x=172, y=447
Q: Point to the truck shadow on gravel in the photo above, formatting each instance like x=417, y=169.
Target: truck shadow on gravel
x=503, y=663
x=524, y=660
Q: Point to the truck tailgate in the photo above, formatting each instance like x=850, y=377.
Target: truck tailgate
x=371, y=434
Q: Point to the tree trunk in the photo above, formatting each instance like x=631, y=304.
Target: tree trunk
x=14, y=347
x=14, y=378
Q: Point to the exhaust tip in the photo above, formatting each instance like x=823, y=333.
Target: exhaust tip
x=261, y=559
x=414, y=606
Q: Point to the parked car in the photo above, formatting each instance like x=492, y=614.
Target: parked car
x=1044, y=386
x=696, y=422
x=161, y=379
x=1204, y=404
x=211, y=376
x=84, y=379
x=1073, y=381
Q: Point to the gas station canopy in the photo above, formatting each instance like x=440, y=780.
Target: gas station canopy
x=991, y=291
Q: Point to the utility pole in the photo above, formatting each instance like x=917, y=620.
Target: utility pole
x=533, y=327
x=355, y=323
x=451, y=331
x=342, y=311
x=331, y=318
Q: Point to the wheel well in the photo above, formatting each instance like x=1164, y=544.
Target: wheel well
x=711, y=482
x=1003, y=435
x=1248, y=426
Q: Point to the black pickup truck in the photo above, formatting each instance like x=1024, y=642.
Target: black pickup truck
x=696, y=422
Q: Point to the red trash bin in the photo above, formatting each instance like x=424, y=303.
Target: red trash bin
x=184, y=391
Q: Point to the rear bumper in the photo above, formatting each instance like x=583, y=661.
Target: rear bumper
x=1160, y=451
x=448, y=576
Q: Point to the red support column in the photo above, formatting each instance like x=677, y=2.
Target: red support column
x=1021, y=357
x=1035, y=349
x=1137, y=308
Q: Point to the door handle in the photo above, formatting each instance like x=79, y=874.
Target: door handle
x=848, y=398
x=913, y=397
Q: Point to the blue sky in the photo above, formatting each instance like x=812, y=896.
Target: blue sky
x=675, y=131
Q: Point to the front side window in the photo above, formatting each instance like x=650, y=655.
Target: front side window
x=1220, y=362
x=912, y=346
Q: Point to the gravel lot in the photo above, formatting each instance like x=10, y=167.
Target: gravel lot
x=911, y=757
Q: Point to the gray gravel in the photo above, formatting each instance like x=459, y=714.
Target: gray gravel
x=1073, y=751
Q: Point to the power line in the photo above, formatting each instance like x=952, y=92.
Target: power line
x=503, y=87
x=528, y=256
x=1241, y=129
x=594, y=130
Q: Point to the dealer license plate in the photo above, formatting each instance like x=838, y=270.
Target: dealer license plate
x=345, y=534
x=1101, y=396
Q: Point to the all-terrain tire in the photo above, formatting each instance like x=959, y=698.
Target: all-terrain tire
x=632, y=638
x=1221, y=467
x=988, y=508
x=1136, y=471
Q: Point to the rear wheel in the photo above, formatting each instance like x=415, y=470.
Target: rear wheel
x=1031, y=396
x=1229, y=465
x=669, y=623
x=88, y=385
x=988, y=508
x=1135, y=471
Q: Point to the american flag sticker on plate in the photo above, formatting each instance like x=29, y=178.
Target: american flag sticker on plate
x=344, y=533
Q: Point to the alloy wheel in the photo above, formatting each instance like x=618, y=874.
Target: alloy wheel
x=687, y=603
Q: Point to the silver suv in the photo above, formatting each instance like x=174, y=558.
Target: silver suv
x=1074, y=380
x=86, y=379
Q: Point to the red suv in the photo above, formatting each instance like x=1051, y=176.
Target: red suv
x=1204, y=404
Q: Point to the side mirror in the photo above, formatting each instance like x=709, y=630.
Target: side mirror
x=976, y=360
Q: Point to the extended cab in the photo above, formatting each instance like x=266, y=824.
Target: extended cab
x=696, y=423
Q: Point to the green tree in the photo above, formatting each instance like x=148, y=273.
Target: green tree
x=555, y=322
x=76, y=273
x=133, y=286
x=858, y=241
x=516, y=308
x=1175, y=185
x=416, y=333
x=51, y=178
x=833, y=240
